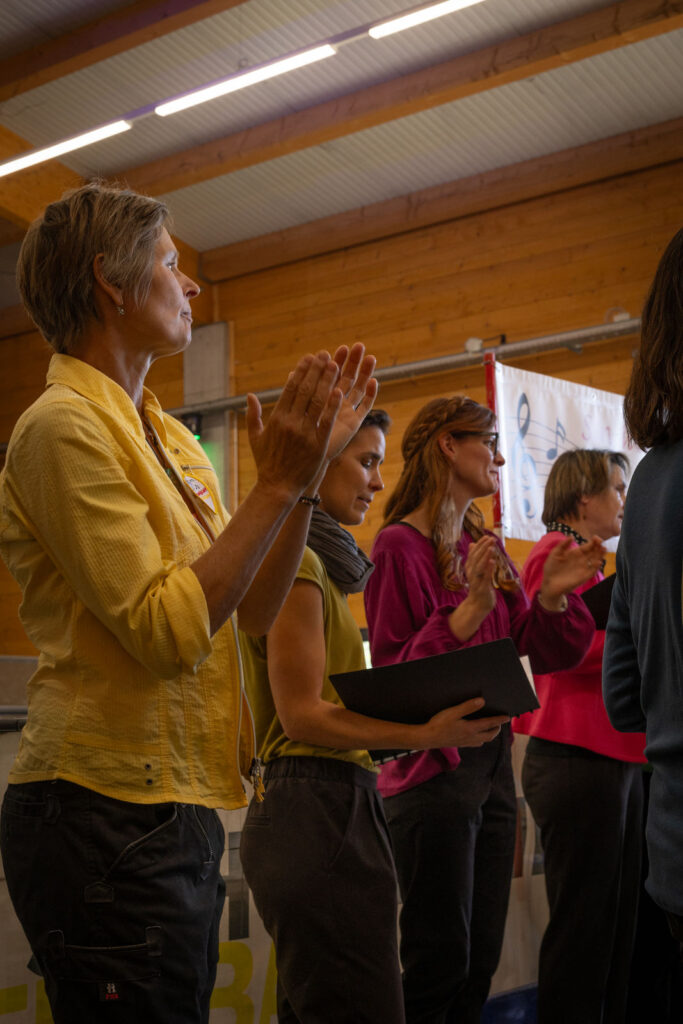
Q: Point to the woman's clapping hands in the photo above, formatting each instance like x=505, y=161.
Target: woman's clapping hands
x=567, y=567
x=321, y=407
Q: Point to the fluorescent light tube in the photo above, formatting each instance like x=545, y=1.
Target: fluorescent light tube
x=418, y=17
x=37, y=156
x=245, y=78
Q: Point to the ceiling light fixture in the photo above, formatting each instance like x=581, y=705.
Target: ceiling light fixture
x=240, y=80
x=37, y=156
x=245, y=78
x=418, y=17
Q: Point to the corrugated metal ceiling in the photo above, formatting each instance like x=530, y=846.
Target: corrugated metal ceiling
x=544, y=114
x=250, y=34
x=625, y=89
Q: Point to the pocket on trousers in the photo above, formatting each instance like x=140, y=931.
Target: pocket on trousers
x=258, y=815
x=25, y=810
x=107, y=974
x=346, y=810
x=143, y=851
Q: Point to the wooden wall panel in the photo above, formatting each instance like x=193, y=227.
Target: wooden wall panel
x=535, y=268
x=25, y=360
x=544, y=266
x=505, y=270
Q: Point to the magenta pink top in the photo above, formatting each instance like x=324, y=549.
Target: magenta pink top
x=407, y=609
x=572, y=709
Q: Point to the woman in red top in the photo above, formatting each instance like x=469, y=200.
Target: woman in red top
x=582, y=779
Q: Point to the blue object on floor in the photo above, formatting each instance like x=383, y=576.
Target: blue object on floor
x=516, y=1007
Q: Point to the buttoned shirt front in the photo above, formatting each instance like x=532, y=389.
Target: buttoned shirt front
x=132, y=696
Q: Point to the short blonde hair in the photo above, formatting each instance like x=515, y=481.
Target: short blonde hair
x=55, y=267
x=577, y=474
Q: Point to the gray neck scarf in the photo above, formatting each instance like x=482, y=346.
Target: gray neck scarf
x=347, y=566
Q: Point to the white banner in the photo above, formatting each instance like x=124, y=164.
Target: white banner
x=540, y=417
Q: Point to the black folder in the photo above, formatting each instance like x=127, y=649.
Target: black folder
x=414, y=691
x=598, y=599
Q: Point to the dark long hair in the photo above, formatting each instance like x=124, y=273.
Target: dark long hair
x=653, y=406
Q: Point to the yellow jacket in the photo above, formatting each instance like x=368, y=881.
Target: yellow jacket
x=132, y=697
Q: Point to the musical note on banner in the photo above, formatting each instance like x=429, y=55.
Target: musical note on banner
x=560, y=435
x=539, y=419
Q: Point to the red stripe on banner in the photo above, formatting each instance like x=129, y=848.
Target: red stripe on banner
x=490, y=374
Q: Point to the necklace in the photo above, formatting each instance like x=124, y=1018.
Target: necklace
x=556, y=527
x=155, y=445
x=153, y=441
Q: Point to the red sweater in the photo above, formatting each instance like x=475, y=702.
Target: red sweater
x=572, y=709
x=408, y=607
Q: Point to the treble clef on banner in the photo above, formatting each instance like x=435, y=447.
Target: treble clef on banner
x=523, y=465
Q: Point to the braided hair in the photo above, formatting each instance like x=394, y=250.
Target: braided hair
x=425, y=478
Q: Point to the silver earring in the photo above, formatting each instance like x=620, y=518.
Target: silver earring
x=120, y=310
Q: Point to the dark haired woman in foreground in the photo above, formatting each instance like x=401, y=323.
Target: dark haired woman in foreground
x=582, y=779
x=443, y=582
x=643, y=663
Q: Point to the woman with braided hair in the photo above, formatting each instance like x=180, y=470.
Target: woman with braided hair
x=443, y=582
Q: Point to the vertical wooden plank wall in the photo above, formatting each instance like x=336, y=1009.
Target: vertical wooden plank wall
x=545, y=265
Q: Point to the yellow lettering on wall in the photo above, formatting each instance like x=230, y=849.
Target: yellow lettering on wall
x=239, y=956
x=13, y=999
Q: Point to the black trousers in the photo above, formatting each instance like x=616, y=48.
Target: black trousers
x=454, y=839
x=316, y=854
x=589, y=810
x=120, y=902
x=656, y=981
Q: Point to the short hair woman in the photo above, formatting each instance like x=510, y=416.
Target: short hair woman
x=582, y=779
x=130, y=570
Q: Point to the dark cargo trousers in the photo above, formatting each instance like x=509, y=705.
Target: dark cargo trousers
x=120, y=902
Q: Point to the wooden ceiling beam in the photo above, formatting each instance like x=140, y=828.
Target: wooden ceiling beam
x=557, y=45
x=104, y=37
x=570, y=168
x=24, y=195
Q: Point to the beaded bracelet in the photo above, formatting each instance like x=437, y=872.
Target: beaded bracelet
x=307, y=499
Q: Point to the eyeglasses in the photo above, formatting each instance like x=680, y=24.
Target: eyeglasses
x=490, y=438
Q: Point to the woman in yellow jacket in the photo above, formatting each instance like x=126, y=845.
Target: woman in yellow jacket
x=130, y=570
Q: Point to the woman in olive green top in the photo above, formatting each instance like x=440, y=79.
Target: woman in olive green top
x=316, y=851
